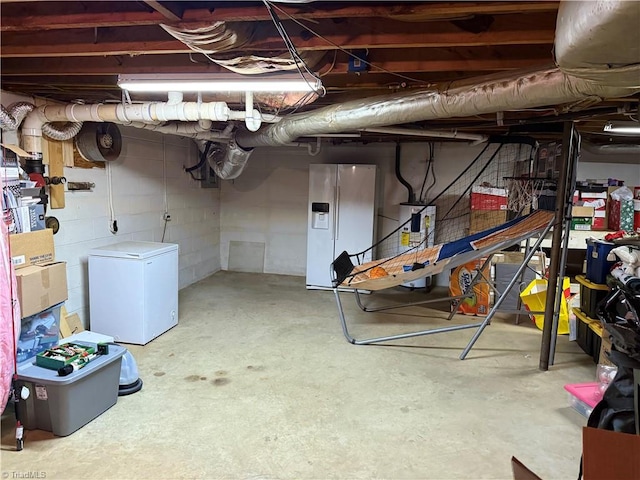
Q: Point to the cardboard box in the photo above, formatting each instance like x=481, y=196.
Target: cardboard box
x=578, y=211
x=521, y=472
x=489, y=198
x=484, y=219
x=609, y=455
x=41, y=287
x=588, y=196
x=605, y=350
x=581, y=223
x=32, y=248
x=460, y=279
x=70, y=325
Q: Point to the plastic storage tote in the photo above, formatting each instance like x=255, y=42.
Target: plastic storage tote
x=597, y=264
x=590, y=295
x=38, y=332
x=589, y=336
x=583, y=397
x=64, y=404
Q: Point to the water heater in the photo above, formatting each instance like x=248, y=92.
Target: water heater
x=418, y=233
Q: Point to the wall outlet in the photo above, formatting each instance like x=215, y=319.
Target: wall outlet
x=166, y=217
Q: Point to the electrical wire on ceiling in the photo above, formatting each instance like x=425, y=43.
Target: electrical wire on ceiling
x=295, y=56
x=372, y=65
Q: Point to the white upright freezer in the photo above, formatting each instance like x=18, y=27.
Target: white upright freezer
x=341, y=216
x=133, y=290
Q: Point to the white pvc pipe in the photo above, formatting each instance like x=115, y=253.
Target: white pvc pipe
x=192, y=130
x=127, y=114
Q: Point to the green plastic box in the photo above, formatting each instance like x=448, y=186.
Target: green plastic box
x=58, y=357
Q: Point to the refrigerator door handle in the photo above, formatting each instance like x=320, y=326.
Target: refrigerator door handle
x=336, y=214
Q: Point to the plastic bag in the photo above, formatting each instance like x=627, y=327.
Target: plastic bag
x=623, y=193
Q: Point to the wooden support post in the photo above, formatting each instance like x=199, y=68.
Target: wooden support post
x=57, y=155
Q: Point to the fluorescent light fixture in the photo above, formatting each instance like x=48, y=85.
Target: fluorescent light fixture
x=225, y=82
x=622, y=128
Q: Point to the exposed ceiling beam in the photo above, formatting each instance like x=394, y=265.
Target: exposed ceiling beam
x=90, y=16
x=164, y=11
x=348, y=34
x=408, y=60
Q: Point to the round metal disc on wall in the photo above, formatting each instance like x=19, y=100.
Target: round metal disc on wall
x=99, y=142
x=53, y=223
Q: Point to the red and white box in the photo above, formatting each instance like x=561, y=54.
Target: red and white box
x=599, y=205
x=489, y=198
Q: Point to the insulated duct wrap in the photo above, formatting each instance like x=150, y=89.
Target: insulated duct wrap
x=229, y=162
x=69, y=130
x=599, y=40
x=11, y=117
x=542, y=88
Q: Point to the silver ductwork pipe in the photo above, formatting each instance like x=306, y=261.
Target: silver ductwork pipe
x=12, y=116
x=69, y=130
x=546, y=87
x=230, y=162
x=616, y=149
x=599, y=40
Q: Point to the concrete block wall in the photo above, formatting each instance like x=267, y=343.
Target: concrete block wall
x=264, y=211
x=138, y=185
x=266, y=207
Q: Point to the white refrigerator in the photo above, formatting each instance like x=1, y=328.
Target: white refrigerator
x=341, y=216
x=133, y=290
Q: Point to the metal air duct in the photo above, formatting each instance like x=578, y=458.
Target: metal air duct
x=546, y=87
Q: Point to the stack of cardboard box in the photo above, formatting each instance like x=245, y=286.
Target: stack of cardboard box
x=42, y=288
x=595, y=209
x=488, y=208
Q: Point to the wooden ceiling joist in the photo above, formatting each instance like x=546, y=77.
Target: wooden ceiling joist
x=408, y=60
x=90, y=16
x=164, y=11
x=349, y=34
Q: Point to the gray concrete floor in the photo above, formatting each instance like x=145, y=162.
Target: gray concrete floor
x=257, y=381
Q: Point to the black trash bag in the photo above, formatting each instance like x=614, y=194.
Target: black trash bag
x=618, y=312
x=619, y=315
x=616, y=410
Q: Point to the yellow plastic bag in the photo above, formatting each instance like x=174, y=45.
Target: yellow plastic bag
x=534, y=298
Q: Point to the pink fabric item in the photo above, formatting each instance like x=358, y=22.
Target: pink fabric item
x=9, y=316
